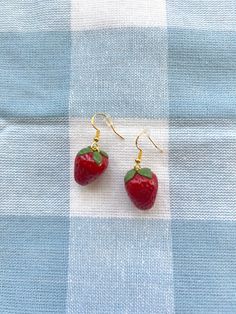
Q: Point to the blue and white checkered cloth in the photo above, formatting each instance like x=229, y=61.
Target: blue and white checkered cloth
x=165, y=65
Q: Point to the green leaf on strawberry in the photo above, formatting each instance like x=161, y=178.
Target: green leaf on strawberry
x=129, y=175
x=145, y=172
x=97, y=157
x=85, y=151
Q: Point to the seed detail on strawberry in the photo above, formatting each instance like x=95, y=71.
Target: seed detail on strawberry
x=141, y=185
x=89, y=164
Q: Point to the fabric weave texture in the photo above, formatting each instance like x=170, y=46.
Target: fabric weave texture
x=165, y=65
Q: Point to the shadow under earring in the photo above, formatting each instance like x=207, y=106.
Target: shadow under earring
x=141, y=184
x=91, y=162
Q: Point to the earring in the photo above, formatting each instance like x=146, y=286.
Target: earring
x=141, y=184
x=91, y=162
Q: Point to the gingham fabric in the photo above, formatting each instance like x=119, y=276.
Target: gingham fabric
x=165, y=65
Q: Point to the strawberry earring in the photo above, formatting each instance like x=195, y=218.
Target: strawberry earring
x=91, y=162
x=141, y=184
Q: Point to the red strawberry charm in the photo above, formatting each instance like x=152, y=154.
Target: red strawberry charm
x=89, y=165
x=141, y=186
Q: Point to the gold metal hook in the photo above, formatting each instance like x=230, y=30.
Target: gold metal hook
x=140, y=153
x=109, y=122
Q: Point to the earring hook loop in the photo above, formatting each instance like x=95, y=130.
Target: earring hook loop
x=109, y=123
x=140, y=153
x=145, y=132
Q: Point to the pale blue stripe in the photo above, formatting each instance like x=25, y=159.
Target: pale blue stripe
x=34, y=74
x=120, y=71
x=126, y=82
x=204, y=258
x=34, y=15
x=120, y=266
x=132, y=80
x=34, y=162
x=33, y=264
x=202, y=167
x=203, y=14
x=201, y=73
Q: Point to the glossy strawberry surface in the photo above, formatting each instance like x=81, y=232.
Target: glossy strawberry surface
x=89, y=165
x=142, y=187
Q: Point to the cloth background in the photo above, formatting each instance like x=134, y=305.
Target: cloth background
x=166, y=65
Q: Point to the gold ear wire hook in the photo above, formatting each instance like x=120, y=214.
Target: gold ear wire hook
x=109, y=122
x=140, y=153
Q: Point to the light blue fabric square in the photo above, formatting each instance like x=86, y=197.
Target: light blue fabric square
x=33, y=264
x=202, y=67
x=34, y=74
x=202, y=14
x=34, y=162
x=203, y=168
x=204, y=258
x=33, y=16
x=120, y=266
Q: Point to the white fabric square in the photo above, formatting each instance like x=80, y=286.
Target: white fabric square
x=106, y=197
x=87, y=14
